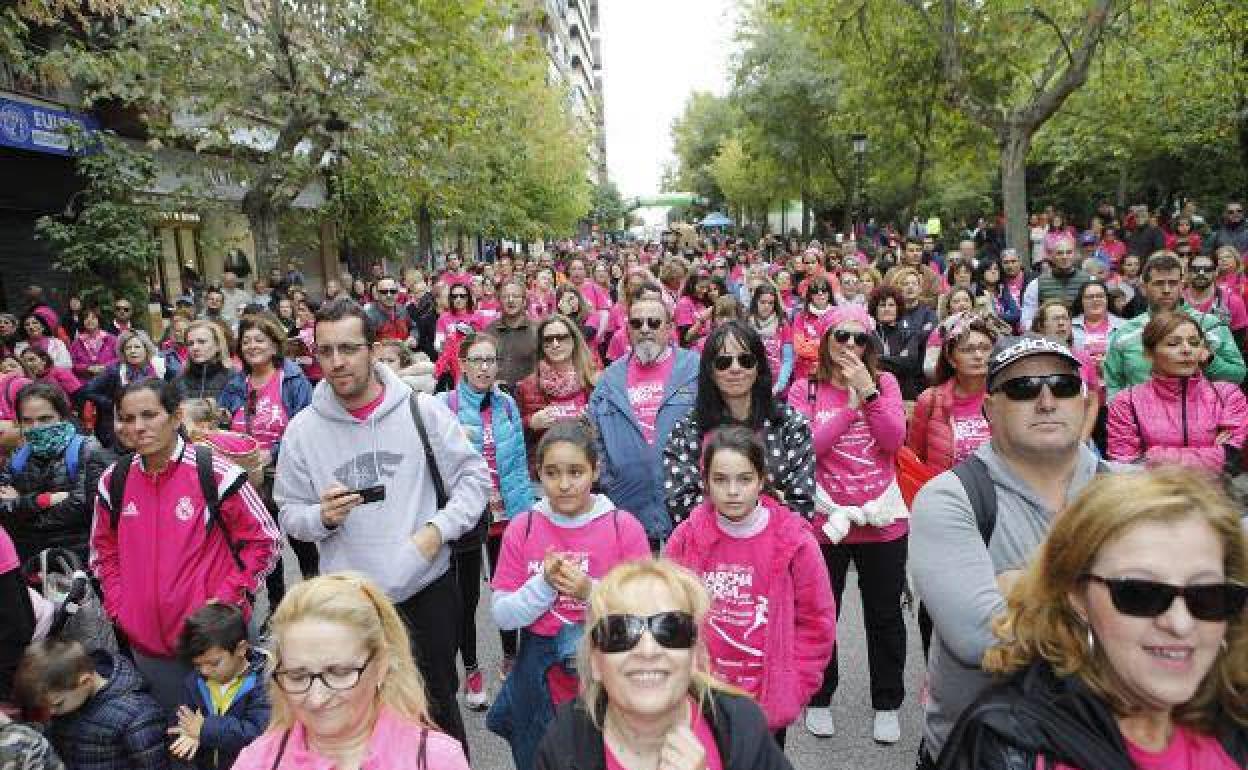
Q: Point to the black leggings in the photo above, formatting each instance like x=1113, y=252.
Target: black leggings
x=494, y=544
x=466, y=566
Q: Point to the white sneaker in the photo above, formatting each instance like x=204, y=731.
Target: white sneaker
x=887, y=727
x=819, y=721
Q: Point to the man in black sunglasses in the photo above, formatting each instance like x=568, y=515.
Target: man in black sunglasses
x=976, y=527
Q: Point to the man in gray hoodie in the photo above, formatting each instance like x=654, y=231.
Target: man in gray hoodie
x=1036, y=404
x=357, y=434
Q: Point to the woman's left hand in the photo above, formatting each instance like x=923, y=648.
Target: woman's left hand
x=856, y=373
x=682, y=750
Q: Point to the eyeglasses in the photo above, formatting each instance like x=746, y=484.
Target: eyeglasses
x=1098, y=295
x=1063, y=251
x=1211, y=602
x=860, y=338
x=336, y=678
x=820, y=290
x=121, y=308
x=652, y=324
x=345, y=349
x=621, y=633
x=555, y=339
x=390, y=291
x=966, y=350
x=1234, y=210
x=482, y=362
x=744, y=360
x=1028, y=388
x=1202, y=269
x=459, y=295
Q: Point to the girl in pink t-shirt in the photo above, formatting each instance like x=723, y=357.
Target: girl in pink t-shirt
x=548, y=562
x=772, y=619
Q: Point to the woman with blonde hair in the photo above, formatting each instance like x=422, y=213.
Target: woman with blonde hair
x=345, y=689
x=207, y=367
x=559, y=387
x=645, y=615
x=1107, y=669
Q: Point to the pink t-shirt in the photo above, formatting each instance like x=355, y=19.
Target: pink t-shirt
x=701, y=730
x=619, y=345
x=362, y=413
x=596, y=547
x=1096, y=338
x=1188, y=750
x=645, y=390
x=265, y=421
x=8, y=553
x=686, y=312
x=736, y=625
x=774, y=345
x=1228, y=305
x=489, y=310
x=970, y=429
x=594, y=296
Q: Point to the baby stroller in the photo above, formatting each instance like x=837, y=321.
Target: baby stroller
x=58, y=577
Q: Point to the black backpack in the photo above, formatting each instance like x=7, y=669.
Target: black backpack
x=982, y=492
x=207, y=487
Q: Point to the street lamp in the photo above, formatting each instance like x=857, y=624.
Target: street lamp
x=859, y=143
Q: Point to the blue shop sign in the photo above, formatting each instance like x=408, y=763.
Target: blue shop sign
x=42, y=129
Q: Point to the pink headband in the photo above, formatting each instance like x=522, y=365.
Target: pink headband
x=839, y=314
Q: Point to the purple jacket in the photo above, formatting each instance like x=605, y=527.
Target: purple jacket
x=82, y=357
x=801, y=631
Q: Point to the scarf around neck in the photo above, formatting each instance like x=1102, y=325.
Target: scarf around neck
x=558, y=382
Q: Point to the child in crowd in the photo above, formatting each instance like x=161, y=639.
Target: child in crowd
x=225, y=703
x=102, y=715
x=202, y=418
x=549, y=558
x=415, y=369
x=772, y=620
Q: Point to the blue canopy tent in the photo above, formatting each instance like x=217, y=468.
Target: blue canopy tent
x=716, y=219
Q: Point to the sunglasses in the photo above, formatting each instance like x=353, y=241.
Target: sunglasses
x=1028, y=388
x=651, y=323
x=744, y=360
x=551, y=339
x=1211, y=602
x=1202, y=269
x=820, y=290
x=621, y=633
x=396, y=291
x=459, y=296
x=860, y=338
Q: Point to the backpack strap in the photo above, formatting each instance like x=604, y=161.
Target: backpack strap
x=117, y=487
x=439, y=487
x=212, y=497
x=981, y=492
x=18, y=463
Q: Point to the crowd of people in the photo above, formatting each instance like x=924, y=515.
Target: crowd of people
x=664, y=461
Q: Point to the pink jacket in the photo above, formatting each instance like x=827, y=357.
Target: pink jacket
x=162, y=562
x=855, y=449
x=802, y=629
x=931, y=430
x=82, y=356
x=394, y=745
x=1177, y=420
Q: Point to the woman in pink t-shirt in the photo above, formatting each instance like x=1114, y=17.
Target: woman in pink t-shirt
x=693, y=310
x=647, y=700
x=772, y=621
x=858, y=422
x=1123, y=644
x=547, y=564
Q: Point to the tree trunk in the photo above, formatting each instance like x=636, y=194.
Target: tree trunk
x=1014, y=146
x=262, y=217
x=424, y=235
x=805, y=197
x=920, y=163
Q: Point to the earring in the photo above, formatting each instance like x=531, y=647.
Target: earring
x=1091, y=642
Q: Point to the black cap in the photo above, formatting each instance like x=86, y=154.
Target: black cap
x=1007, y=350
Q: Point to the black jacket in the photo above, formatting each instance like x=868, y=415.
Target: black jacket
x=422, y=320
x=901, y=355
x=573, y=743
x=1037, y=714
x=201, y=380
x=64, y=525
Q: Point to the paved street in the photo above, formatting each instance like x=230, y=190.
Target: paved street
x=852, y=747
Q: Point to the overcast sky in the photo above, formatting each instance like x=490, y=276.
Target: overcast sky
x=655, y=53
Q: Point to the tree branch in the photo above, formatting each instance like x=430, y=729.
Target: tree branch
x=1076, y=72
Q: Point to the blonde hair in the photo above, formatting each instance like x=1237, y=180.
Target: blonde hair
x=900, y=274
x=1041, y=623
x=218, y=336
x=352, y=600
x=197, y=413
x=691, y=597
x=582, y=359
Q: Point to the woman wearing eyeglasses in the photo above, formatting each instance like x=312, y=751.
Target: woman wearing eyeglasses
x=346, y=692
x=646, y=699
x=1178, y=416
x=808, y=327
x=772, y=621
x=734, y=388
x=562, y=381
x=495, y=428
x=859, y=422
x=261, y=400
x=1125, y=642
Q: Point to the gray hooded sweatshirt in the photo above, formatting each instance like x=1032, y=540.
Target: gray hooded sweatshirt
x=955, y=575
x=324, y=444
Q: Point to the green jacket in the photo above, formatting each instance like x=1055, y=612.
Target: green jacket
x=1125, y=364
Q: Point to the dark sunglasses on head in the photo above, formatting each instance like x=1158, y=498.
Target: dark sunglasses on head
x=744, y=360
x=621, y=633
x=1028, y=388
x=1211, y=602
x=551, y=338
x=651, y=323
x=860, y=338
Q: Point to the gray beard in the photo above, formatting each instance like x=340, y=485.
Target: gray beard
x=647, y=352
